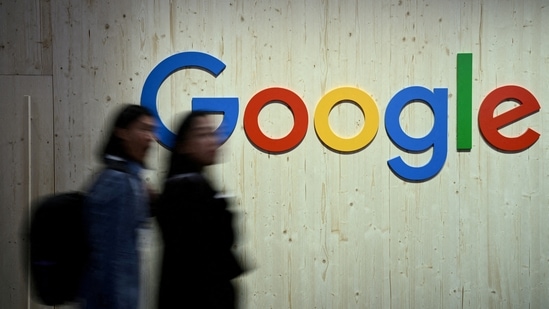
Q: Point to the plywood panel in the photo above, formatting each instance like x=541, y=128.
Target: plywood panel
x=27, y=172
x=324, y=229
x=25, y=38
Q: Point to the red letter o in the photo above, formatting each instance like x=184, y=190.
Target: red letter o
x=296, y=106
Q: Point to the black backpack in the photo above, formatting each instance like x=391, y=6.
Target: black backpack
x=58, y=248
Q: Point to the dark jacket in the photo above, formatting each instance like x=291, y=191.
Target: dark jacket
x=197, y=231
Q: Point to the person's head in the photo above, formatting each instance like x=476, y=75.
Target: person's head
x=131, y=134
x=196, y=138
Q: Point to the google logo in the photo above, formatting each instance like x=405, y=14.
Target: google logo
x=437, y=100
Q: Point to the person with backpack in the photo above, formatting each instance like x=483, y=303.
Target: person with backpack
x=115, y=208
x=196, y=225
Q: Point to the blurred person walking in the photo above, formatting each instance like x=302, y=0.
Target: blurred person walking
x=115, y=209
x=196, y=225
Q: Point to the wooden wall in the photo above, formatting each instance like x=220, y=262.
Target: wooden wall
x=321, y=229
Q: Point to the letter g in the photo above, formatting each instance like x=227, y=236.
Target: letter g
x=184, y=60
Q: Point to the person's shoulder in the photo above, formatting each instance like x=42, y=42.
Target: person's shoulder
x=189, y=183
x=113, y=175
x=109, y=182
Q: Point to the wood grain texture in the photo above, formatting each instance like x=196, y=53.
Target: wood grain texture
x=322, y=229
x=27, y=172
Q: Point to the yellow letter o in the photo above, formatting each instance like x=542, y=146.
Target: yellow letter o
x=364, y=102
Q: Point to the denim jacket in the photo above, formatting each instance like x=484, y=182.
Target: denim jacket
x=115, y=209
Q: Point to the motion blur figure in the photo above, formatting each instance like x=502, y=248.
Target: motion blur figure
x=198, y=264
x=116, y=207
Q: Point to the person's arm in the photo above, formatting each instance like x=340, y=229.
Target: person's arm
x=106, y=206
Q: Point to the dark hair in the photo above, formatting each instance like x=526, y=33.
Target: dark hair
x=125, y=117
x=180, y=137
